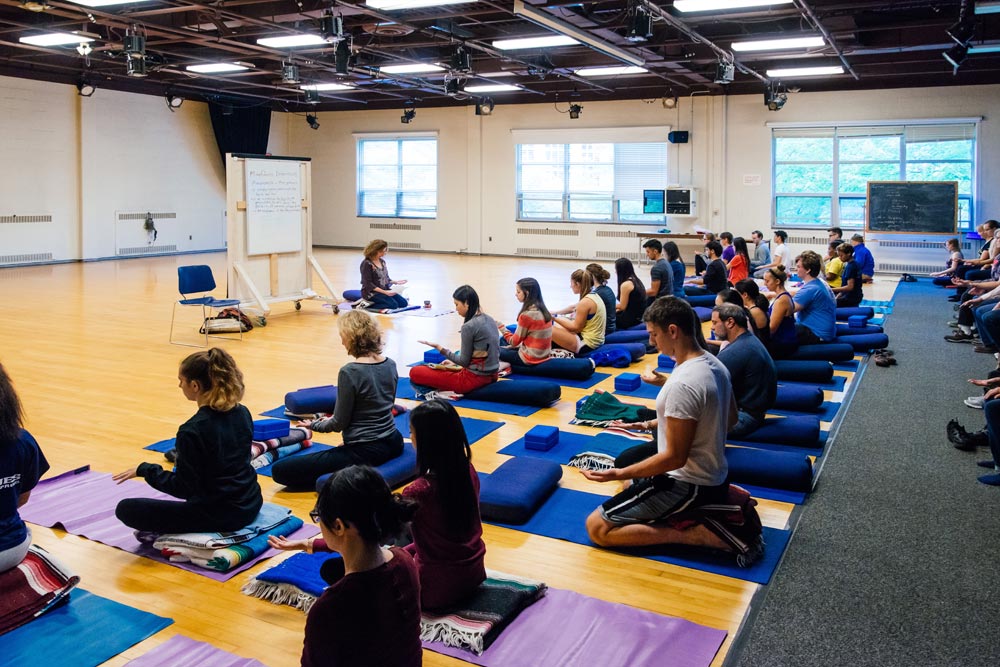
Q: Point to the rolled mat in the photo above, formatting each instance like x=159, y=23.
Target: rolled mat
x=848, y=330
x=824, y=352
x=820, y=372
x=864, y=311
x=866, y=342
x=180, y=650
x=311, y=400
x=87, y=631
x=627, y=336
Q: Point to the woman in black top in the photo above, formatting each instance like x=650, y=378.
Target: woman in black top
x=756, y=305
x=214, y=479
x=631, y=295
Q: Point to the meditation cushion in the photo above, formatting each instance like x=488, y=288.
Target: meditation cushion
x=627, y=336
x=702, y=300
x=848, y=330
x=704, y=313
x=795, y=431
x=774, y=470
x=514, y=491
x=798, y=398
x=395, y=471
x=637, y=327
x=311, y=400
x=844, y=313
x=536, y=393
x=824, y=352
x=351, y=294
x=635, y=350
x=820, y=372
x=866, y=342
x=563, y=369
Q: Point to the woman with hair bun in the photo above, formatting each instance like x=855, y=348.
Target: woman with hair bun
x=781, y=314
x=214, y=479
x=601, y=276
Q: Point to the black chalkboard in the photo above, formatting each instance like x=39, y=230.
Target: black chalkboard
x=924, y=207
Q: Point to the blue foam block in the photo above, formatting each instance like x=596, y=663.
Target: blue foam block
x=541, y=438
x=628, y=381
x=266, y=429
x=432, y=356
x=857, y=321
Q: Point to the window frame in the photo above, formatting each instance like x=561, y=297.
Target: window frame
x=400, y=192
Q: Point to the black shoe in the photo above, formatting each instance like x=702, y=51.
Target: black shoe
x=955, y=432
x=965, y=441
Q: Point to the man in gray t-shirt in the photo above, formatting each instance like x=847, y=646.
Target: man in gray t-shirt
x=661, y=276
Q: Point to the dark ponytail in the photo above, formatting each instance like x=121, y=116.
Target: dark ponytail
x=11, y=412
x=359, y=496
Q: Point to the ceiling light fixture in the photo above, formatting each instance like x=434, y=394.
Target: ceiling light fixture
x=392, y=5
x=56, y=39
x=641, y=28
x=342, y=57
x=780, y=43
x=461, y=60
x=326, y=86
x=289, y=73
x=611, y=71
x=956, y=56
x=412, y=68
x=291, y=41
x=794, y=72
x=85, y=89
x=84, y=49
x=173, y=102
x=575, y=110
x=492, y=88
x=533, y=42
x=987, y=7
x=775, y=98
x=135, y=67
x=725, y=72
x=313, y=123
x=409, y=112
x=670, y=100
x=546, y=20
x=312, y=95
x=331, y=27
x=723, y=5
x=485, y=106
x=105, y=3
x=216, y=68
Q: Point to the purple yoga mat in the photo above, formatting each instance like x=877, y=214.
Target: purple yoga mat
x=83, y=502
x=568, y=629
x=179, y=650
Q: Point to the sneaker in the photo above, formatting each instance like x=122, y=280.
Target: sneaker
x=960, y=337
x=975, y=402
x=955, y=432
x=953, y=323
x=991, y=480
x=987, y=463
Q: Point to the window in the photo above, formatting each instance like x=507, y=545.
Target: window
x=821, y=174
x=589, y=182
x=397, y=177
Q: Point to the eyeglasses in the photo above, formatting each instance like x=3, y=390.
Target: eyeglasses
x=314, y=515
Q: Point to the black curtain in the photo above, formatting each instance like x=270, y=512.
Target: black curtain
x=240, y=130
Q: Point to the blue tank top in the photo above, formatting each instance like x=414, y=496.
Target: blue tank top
x=785, y=335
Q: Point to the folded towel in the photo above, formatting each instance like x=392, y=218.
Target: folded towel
x=227, y=558
x=35, y=585
x=270, y=516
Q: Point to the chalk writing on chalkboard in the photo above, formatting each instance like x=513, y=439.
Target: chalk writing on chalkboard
x=274, y=207
x=924, y=207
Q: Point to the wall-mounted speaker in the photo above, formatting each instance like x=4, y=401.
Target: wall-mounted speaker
x=677, y=137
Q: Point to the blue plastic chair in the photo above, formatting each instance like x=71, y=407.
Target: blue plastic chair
x=198, y=279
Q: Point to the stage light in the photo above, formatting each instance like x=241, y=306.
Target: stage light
x=409, y=113
x=174, y=102
x=575, y=110
x=342, y=57
x=484, y=107
x=85, y=89
x=313, y=123
x=956, y=56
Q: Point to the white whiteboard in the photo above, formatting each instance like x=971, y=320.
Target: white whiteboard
x=274, y=206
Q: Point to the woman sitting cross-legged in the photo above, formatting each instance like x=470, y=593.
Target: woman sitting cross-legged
x=447, y=531
x=478, y=360
x=376, y=285
x=531, y=342
x=366, y=390
x=585, y=332
x=631, y=295
x=781, y=315
x=213, y=478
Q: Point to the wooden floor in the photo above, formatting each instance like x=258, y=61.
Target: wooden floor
x=87, y=347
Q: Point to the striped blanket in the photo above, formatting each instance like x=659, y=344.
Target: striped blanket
x=296, y=435
x=29, y=590
x=227, y=558
x=473, y=626
x=270, y=516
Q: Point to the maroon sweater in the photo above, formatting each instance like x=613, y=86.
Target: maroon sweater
x=368, y=619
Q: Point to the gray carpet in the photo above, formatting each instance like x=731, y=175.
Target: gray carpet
x=896, y=557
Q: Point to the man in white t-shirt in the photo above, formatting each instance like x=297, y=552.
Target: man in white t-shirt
x=779, y=254
x=694, y=410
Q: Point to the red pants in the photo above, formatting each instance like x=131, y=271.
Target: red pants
x=460, y=382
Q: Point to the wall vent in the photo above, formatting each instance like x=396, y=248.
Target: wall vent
x=123, y=217
x=601, y=234
x=398, y=245
x=886, y=267
x=922, y=245
x=804, y=240
x=401, y=226
x=135, y=251
x=607, y=254
x=26, y=258
x=21, y=219
x=548, y=252
x=545, y=231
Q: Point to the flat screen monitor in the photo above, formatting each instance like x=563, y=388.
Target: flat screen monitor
x=653, y=201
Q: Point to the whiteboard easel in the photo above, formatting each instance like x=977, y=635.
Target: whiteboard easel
x=269, y=233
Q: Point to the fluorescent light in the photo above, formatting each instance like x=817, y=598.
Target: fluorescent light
x=494, y=75
x=982, y=48
x=790, y=72
x=390, y=5
x=491, y=88
x=215, y=68
x=412, y=68
x=55, y=39
x=987, y=8
x=105, y=3
x=533, y=42
x=326, y=86
x=777, y=44
x=286, y=41
x=546, y=20
x=611, y=71
x=723, y=5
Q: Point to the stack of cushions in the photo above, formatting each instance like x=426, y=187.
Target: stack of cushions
x=265, y=452
x=395, y=471
x=850, y=330
x=513, y=492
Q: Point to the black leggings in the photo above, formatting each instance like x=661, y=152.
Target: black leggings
x=176, y=516
x=302, y=471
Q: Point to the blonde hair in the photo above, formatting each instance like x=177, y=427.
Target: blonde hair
x=585, y=280
x=362, y=335
x=373, y=247
x=219, y=376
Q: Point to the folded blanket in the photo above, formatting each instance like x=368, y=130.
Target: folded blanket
x=295, y=581
x=601, y=408
x=269, y=457
x=735, y=522
x=270, y=516
x=296, y=435
x=33, y=587
x=227, y=558
x=592, y=461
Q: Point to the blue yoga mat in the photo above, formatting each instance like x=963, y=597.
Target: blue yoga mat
x=167, y=445
x=475, y=429
x=571, y=444
x=405, y=390
x=563, y=517
x=88, y=630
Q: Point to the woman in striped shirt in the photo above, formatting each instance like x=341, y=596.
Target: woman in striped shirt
x=531, y=343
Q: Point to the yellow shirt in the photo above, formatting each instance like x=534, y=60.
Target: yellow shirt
x=593, y=331
x=836, y=267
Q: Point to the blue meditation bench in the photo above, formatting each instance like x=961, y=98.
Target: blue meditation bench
x=798, y=398
x=311, y=400
x=535, y=393
x=844, y=313
x=513, y=492
x=824, y=352
x=395, y=471
x=774, y=470
x=866, y=342
x=561, y=369
x=819, y=372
